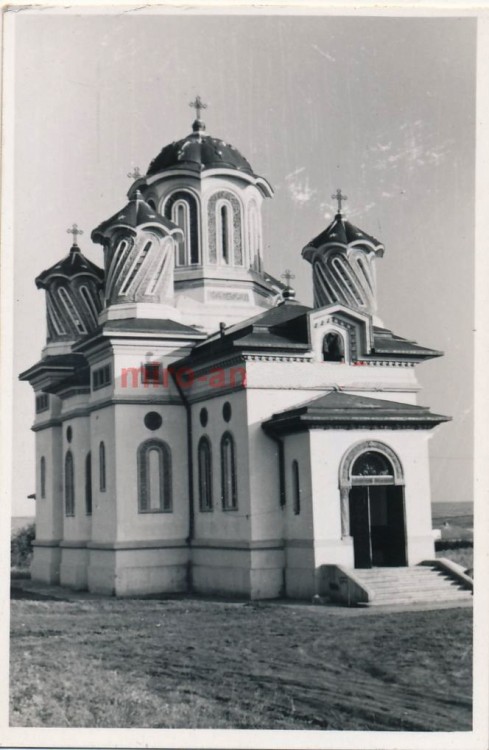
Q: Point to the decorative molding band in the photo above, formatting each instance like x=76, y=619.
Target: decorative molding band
x=276, y=358
x=242, y=546
x=46, y=542
x=68, y=544
x=139, y=545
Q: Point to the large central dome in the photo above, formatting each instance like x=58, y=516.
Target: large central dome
x=199, y=152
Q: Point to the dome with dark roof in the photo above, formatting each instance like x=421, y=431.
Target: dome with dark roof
x=73, y=264
x=342, y=232
x=199, y=152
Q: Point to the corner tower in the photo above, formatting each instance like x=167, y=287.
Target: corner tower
x=343, y=262
x=73, y=298
x=207, y=188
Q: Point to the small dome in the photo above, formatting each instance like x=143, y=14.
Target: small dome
x=199, y=152
x=341, y=232
x=73, y=264
x=136, y=213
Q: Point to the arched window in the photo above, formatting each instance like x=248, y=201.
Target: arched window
x=254, y=237
x=372, y=463
x=224, y=218
x=69, y=485
x=71, y=310
x=154, y=477
x=102, y=467
x=138, y=261
x=225, y=237
x=333, y=347
x=228, y=473
x=43, y=476
x=296, y=488
x=89, y=304
x=88, y=484
x=182, y=208
x=205, y=474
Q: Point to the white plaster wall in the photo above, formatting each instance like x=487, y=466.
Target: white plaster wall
x=310, y=380
x=49, y=510
x=104, y=514
x=327, y=450
x=220, y=524
x=77, y=527
x=130, y=432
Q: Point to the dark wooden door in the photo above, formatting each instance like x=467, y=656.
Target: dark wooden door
x=360, y=527
x=396, y=552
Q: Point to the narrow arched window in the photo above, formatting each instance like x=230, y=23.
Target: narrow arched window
x=228, y=473
x=89, y=304
x=102, y=467
x=88, y=484
x=154, y=477
x=254, y=238
x=71, y=310
x=183, y=209
x=224, y=226
x=205, y=474
x=69, y=485
x=333, y=347
x=224, y=219
x=296, y=488
x=43, y=476
x=181, y=219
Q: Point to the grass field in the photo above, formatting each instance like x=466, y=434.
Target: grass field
x=197, y=663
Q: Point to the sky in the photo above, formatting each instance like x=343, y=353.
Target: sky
x=383, y=108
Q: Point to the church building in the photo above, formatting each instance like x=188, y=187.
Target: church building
x=200, y=430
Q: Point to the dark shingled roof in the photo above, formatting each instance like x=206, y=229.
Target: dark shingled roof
x=344, y=410
x=136, y=213
x=283, y=327
x=151, y=325
x=199, y=152
x=80, y=378
x=387, y=343
x=73, y=264
x=63, y=364
x=343, y=233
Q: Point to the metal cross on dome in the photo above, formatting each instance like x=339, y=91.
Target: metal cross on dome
x=288, y=276
x=75, y=232
x=338, y=196
x=198, y=105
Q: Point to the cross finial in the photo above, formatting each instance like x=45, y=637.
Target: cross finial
x=288, y=276
x=338, y=196
x=198, y=105
x=75, y=232
x=135, y=175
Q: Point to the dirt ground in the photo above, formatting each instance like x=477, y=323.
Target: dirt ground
x=199, y=663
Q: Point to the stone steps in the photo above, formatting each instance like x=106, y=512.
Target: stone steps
x=423, y=584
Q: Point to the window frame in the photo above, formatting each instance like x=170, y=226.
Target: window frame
x=296, y=488
x=232, y=503
x=69, y=485
x=102, y=467
x=88, y=484
x=42, y=477
x=165, y=478
x=208, y=506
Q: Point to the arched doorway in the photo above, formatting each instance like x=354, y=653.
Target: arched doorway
x=372, y=486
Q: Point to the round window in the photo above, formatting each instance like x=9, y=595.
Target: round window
x=69, y=434
x=204, y=417
x=226, y=411
x=153, y=420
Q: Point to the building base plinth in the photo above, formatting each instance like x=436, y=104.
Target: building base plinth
x=45, y=564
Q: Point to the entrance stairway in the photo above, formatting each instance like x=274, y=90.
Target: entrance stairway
x=418, y=584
